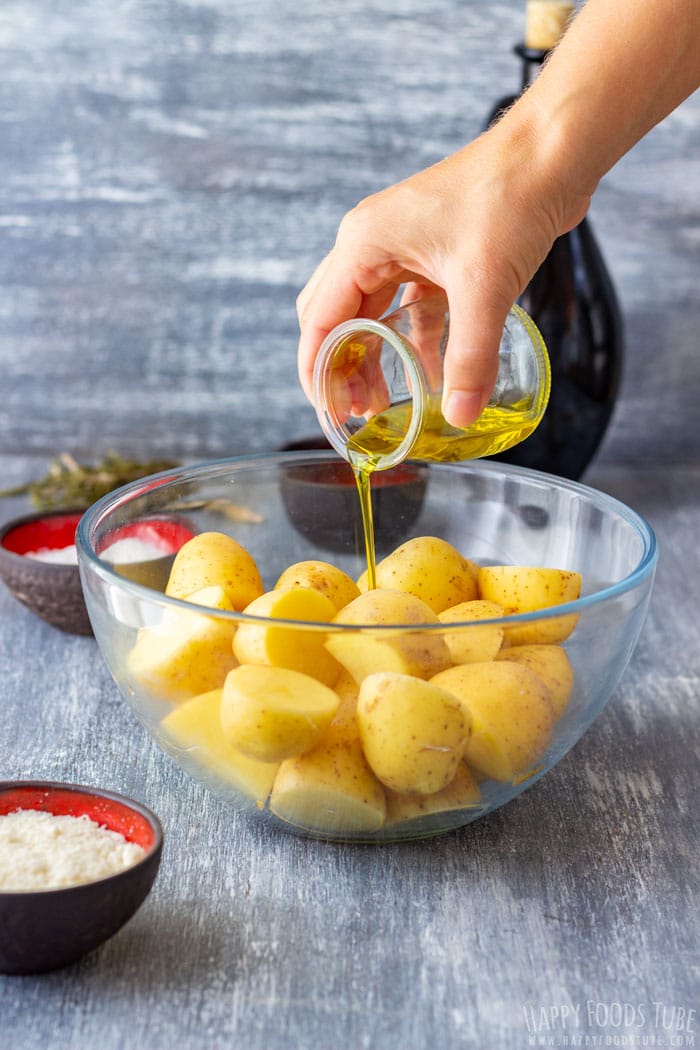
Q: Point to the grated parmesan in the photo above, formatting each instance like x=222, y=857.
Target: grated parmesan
x=43, y=851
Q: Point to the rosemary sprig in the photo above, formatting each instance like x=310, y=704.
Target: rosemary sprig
x=77, y=485
x=236, y=512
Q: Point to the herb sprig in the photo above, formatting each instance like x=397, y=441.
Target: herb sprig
x=69, y=484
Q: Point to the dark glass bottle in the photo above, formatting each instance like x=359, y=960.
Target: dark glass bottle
x=572, y=300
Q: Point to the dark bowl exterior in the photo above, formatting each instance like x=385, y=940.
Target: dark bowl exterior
x=44, y=930
x=50, y=590
x=324, y=508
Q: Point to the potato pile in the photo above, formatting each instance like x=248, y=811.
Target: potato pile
x=356, y=724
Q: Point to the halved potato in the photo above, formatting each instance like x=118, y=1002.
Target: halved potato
x=529, y=588
x=280, y=645
x=271, y=713
x=215, y=559
x=195, y=726
x=511, y=716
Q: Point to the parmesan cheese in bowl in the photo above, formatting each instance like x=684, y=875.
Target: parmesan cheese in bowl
x=75, y=864
x=42, y=851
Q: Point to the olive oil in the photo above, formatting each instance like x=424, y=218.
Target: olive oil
x=499, y=427
x=363, y=472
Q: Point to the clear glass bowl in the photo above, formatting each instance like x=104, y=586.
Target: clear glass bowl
x=291, y=507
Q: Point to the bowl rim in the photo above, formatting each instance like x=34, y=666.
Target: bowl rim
x=154, y=850
x=37, y=565
x=210, y=468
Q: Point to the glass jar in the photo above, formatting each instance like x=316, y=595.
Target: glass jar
x=378, y=388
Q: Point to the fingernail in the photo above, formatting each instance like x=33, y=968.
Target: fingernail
x=461, y=407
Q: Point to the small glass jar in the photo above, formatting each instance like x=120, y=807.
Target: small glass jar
x=377, y=388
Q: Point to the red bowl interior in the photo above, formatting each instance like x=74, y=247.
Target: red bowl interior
x=58, y=530
x=168, y=534
x=54, y=532
x=68, y=802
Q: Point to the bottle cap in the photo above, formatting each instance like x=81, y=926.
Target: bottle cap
x=545, y=22
x=377, y=387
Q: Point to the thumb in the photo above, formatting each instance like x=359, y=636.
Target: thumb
x=471, y=359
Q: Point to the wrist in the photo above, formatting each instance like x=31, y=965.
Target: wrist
x=541, y=153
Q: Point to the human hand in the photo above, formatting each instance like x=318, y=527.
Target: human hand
x=476, y=226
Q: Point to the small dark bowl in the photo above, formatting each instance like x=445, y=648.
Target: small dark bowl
x=42, y=930
x=52, y=590
x=324, y=507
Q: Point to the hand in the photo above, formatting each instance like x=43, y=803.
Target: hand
x=476, y=225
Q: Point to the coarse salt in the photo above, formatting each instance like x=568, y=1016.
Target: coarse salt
x=131, y=549
x=44, y=851
x=61, y=555
x=127, y=550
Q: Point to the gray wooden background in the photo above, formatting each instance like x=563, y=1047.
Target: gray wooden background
x=170, y=174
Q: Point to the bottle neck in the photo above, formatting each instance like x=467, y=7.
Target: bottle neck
x=532, y=59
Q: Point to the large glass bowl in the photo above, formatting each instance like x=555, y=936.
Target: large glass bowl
x=292, y=507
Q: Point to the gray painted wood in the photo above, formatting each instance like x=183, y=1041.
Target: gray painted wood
x=169, y=175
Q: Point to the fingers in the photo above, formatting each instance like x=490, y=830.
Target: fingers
x=330, y=297
x=477, y=317
x=336, y=292
x=475, y=225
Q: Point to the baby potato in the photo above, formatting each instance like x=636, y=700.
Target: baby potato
x=271, y=713
x=511, y=716
x=429, y=568
x=461, y=793
x=323, y=577
x=195, y=727
x=470, y=645
x=419, y=654
x=413, y=733
x=528, y=588
x=213, y=558
x=346, y=687
x=550, y=663
x=331, y=788
x=292, y=647
x=188, y=653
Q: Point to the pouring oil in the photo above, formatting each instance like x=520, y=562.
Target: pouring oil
x=498, y=428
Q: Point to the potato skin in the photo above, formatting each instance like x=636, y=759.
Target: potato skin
x=414, y=653
x=279, y=645
x=272, y=713
x=473, y=644
x=188, y=653
x=331, y=788
x=429, y=568
x=511, y=716
x=550, y=663
x=413, y=733
x=214, y=558
x=195, y=726
x=461, y=793
x=530, y=588
x=321, y=576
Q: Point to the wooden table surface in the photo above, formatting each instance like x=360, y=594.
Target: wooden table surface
x=170, y=173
